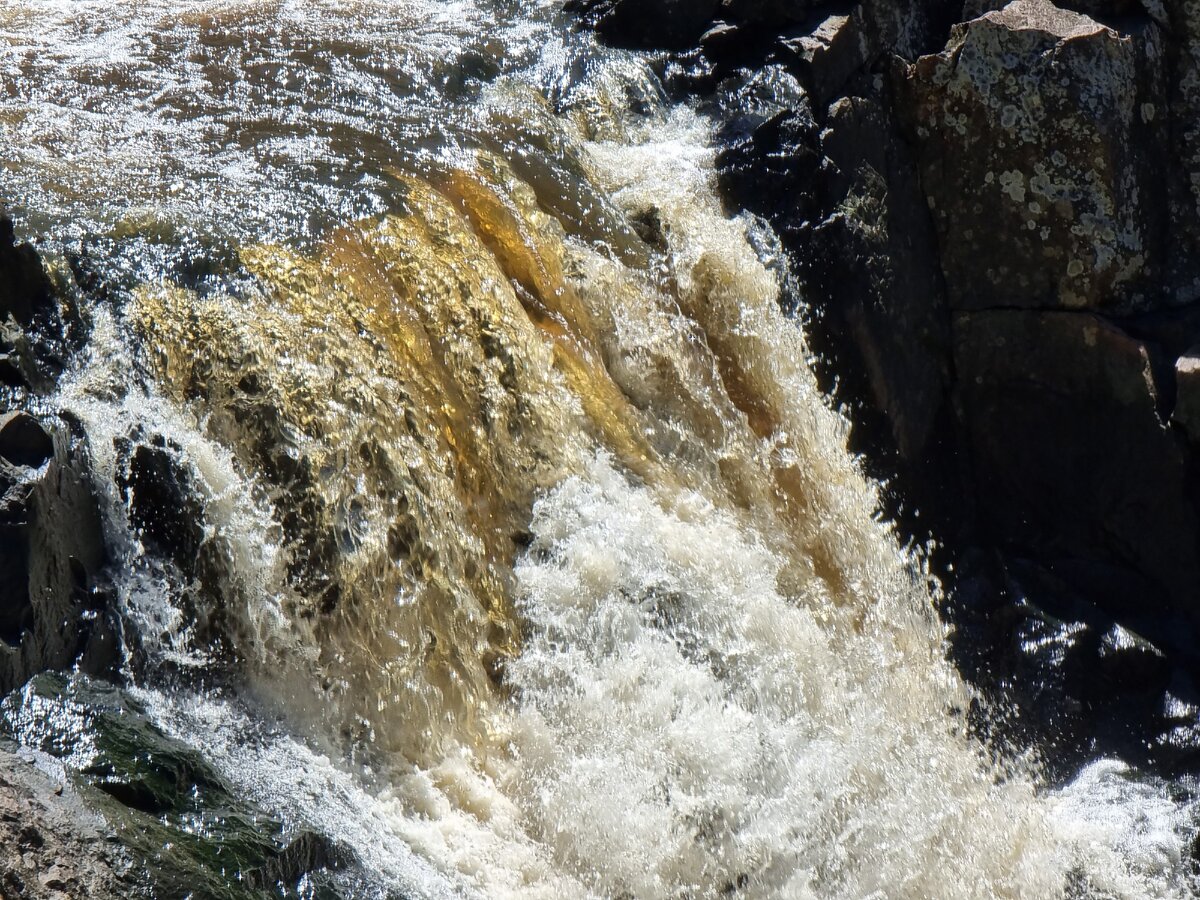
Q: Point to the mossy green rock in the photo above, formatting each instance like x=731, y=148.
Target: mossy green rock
x=164, y=803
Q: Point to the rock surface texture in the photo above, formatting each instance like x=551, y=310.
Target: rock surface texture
x=53, y=603
x=51, y=846
x=55, y=607
x=992, y=212
x=1040, y=135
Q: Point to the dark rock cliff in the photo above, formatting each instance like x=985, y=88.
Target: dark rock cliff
x=54, y=604
x=992, y=211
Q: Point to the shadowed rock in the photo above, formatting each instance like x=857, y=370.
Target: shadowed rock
x=647, y=23
x=1187, y=397
x=51, y=556
x=23, y=441
x=1070, y=457
x=25, y=291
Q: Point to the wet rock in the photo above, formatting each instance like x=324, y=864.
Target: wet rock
x=1069, y=456
x=1130, y=663
x=52, y=555
x=25, y=290
x=163, y=504
x=158, y=793
x=1040, y=135
x=166, y=508
x=1187, y=396
x=769, y=13
x=51, y=846
x=847, y=202
x=671, y=24
x=23, y=440
x=826, y=57
x=1056, y=672
x=890, y=299
x=773, y=168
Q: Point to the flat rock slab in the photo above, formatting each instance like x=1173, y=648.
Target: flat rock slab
x=1070, y=456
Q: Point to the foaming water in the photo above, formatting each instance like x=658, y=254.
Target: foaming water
x=530, y=560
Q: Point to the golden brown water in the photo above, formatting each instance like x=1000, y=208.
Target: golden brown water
x=540, y=531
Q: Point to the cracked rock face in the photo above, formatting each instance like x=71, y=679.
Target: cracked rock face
x=50, y=553
x=1039, y=135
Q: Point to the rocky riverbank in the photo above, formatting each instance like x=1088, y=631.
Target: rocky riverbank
x=131, y=812
x=55, y=612
x=991, y=212
x=52, y=847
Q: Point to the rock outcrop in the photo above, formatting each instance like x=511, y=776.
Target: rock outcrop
x=1041, y=137
x=25, y=290
x=1071, y=459
x=53, y=610
x=51, y=846
x=54, y=605
x=648, y=23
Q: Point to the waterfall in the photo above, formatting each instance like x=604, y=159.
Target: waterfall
x=515, y=548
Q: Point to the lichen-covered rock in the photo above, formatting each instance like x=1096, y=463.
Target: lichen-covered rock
x=1183, y=23
x=1102, y=10
x=910, y=30
x=1070, y=457
x=1040, y=136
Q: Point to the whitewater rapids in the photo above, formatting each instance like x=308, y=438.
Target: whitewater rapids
x=534, y=563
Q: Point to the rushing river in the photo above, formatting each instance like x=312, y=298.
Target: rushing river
x=522, y=556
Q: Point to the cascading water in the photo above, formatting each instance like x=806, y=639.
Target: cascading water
x=518, y=553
